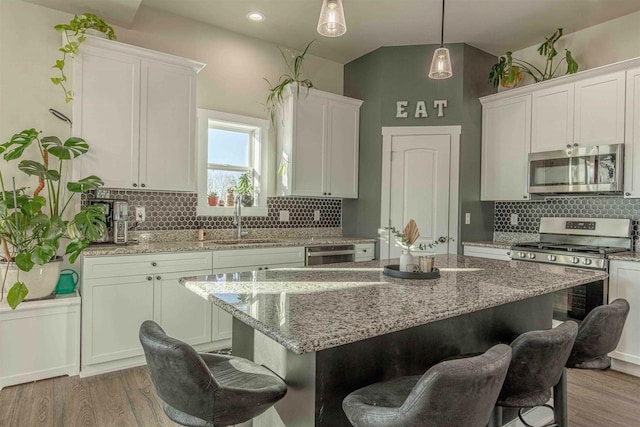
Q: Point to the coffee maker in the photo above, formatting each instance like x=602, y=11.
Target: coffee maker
x=116, y=212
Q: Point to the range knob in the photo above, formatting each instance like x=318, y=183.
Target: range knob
x=586, y=261
x=532, y=255
x=551, y=257
x=575, y=260
x=522, y=254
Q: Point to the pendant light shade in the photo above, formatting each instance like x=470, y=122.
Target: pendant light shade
x=332, y=22
x=441, y=62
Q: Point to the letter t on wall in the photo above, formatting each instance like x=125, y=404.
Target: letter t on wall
x=440, y=104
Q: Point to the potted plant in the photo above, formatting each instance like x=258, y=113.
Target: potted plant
x=508, y=71
x=34, y=228
x=213, y=199
x=246, y=189
x=75, y=33
x=294, y=77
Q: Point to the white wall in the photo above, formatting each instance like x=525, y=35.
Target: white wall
x=231, y=82
x=602, y=44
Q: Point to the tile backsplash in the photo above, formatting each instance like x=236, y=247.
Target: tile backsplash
x=529, y=213
x=177, y=211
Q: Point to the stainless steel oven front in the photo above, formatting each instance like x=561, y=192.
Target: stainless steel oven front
x=330, y=254
x=596, y=169
x=575, y=303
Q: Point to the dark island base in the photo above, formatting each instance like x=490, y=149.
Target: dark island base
x=318, y=382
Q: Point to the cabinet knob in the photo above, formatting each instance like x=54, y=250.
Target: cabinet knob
x=364, y=250
x=135, y=185
x=568, y=145
x=266, y=268
x=525, y=197
x=149, y=278
x=142, y=185
x=627, y=194
x=575, y=144
x=329, y=193
x=154, y=264
x=158, y=278
x=259, y=268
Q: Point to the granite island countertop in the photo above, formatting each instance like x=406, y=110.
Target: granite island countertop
x=213, y=245
x=315, y=308
x=489, y=244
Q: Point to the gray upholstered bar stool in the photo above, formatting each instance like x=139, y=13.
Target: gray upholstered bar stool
x=598, y=335
x=459, y=392
x=537, y=365
x=206, y=389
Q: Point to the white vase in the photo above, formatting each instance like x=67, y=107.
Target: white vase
x=406, y=259
x=40, y=281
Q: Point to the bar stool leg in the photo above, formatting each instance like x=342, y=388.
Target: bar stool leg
x=496, y=417
x=560, y=401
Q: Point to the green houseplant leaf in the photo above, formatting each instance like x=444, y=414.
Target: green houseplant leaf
x=85, y=184
x=17, y=294
x=72, y=147
x=18, y=143
x=75, y=248
x=24, y=262
x=90, y=222
x=31, y=168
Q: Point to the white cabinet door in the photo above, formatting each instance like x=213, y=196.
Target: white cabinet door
x=167, y=127
x=365, y=251
x=624, y=282
x=107, y=115
x=343, y=150
x=181, y=313
x=309, y=159
x=506, y=138
x=599, y=110
x=112, y=311
x=552, y=119
x=221, y=326
x=632, y=136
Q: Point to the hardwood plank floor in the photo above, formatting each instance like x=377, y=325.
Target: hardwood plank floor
x=127, y=398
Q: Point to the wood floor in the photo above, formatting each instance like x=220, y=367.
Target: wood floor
x=126, y=398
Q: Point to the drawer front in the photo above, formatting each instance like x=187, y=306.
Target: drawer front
x=257, y=257
x=125, y=265
x=484, y=252
x=365, y=251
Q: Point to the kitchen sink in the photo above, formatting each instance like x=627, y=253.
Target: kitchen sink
x=242, y=241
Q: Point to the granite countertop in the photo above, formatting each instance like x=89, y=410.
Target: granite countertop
x=315, y=308
x=625, y=256
x=489, y=244
x=212, y=245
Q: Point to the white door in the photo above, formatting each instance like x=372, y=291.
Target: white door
x=419, y=184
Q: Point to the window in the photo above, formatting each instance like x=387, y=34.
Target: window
x=231, y=151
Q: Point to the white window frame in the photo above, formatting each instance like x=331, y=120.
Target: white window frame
x=259, y=150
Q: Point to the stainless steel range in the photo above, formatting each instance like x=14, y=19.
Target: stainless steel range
x=582, y=243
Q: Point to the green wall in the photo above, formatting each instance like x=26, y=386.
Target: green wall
x=399, y=73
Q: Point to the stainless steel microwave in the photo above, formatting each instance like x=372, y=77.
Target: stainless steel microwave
x=596, y=169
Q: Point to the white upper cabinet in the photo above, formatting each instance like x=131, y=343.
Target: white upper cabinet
x=632, y=136
x=585, y=113
x=506, y=139
x=318, y=144
x=552, y=119
x=136, y=110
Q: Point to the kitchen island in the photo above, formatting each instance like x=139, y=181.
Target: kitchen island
x=335, y=328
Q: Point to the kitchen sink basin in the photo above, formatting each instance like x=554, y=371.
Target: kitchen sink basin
x=242, y=241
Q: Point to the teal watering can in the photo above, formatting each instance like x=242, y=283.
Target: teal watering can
x=67, y=281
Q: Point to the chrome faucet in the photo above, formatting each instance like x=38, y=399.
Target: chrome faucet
x=237, y=217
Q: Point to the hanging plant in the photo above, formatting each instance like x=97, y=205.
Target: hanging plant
x=294, y=64
x=508, y=72
x=75, y=33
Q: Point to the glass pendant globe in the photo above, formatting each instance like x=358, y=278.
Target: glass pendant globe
x=332, y=22
x=440, y=64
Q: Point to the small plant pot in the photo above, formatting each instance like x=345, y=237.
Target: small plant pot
x=213, y=201
x=247, y=201
x=40, y=281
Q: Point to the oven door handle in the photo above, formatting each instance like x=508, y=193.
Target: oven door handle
x=329, y=253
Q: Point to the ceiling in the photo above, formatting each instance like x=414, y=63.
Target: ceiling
x=491, y=25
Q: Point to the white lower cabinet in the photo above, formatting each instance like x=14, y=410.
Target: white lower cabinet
x=121, y=292
x=624, y=282
x=365, y=252
x=487, y=252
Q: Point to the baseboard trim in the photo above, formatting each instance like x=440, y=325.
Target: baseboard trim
x=625, y=367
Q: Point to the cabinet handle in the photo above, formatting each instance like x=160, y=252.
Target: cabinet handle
x=154, y=264
x=142, y=185
x=149, y=278
x=135, y=185
x=158, y=278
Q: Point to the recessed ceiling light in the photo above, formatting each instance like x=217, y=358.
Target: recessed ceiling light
x=255, y=16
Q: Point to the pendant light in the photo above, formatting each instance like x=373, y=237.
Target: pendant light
x=331, y=22
x=441, y=62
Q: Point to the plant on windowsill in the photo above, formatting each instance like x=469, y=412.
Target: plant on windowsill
x=75, y=34
x=213, y=199
x=246, y=189
x=33, y=229
x=508, y=72
x=294, y=77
